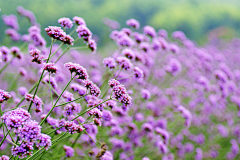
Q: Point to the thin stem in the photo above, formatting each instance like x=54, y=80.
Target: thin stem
x=6, y=65
x=71, y=101
x=57, y=50
x=79, y=47
x=76, y=139
x=4, y=138
x=50, y=88
x=65, y=51
x=118, y=73
x=81, y=115
x=8, y=131
x=73, y=30
x=56, y=101
x=40, y=79
x=90, y=109
x=11, y=142
x=33, y=87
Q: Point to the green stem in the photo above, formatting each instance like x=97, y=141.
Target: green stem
x=81, y=115
x=90, y=109
x=50, y=88
x=57, y=50
x=40, y=79
x=65, y=51
x=6, y=65
x=56, y=101
x=4, y=138
x=76, y=139
x=71, y=101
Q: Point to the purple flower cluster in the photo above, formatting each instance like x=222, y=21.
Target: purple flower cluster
x=50, y=67
x=69, y=151
x=120, y=92
x=65, y=22
x=37, y=57
x=30, y=131
x=72, y=127
x=58, y=34
x=133, y=23
x=94, y=90
x=16, y=118
x=84, y=32
x=37, y=101
x=11, y=21
x=80, y=72
x=4, y=96
x=109, y=62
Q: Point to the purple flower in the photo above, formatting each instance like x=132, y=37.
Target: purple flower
x=44, y=141
x=72, y=127
x=179, y=35
x=58, y=34
x=30, y=131
x=79, y=21
x=80, y=71
x=113, y=82
x=109, y=62
x=37, y=101
x=150, y=31
x=78, y=88
x=15, y=118
x=125, y=41
x=23, y=150
x=16, y=52
x=95, y=112
x=14, y=35
x=84, y=32
x=199, y=154
x=163, y=33
x=107, y=115
x=68, y=96
x=50, y=67
x=107, y=156
x=65, y=22
x=145, y=94
x=128, y=53
x=26, y=13
x=133, y=23
x=124, y=63
x=35, y=53
x=4, y=157
x=94, y=89
x=174, y=48
x=92, y=45
x=4, y=96
x=138, y=73
x=69, y=151
x=71, y=108
x=174, y=67
x=11, y=21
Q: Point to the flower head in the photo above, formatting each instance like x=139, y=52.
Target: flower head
x=65, y=22
x=4, y=96
x=50, y=67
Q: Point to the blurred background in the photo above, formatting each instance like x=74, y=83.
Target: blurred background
x=196, y=18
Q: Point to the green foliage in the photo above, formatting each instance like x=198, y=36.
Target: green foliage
x=196, y=18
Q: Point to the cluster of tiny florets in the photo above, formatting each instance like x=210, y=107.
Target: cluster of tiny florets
x=50, y=67
x=4, y=96
x=80, y=72
x=58, y=34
